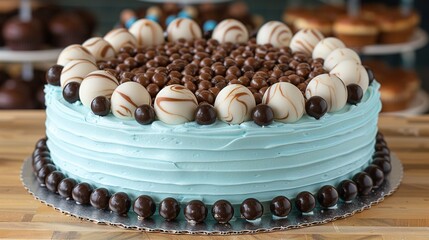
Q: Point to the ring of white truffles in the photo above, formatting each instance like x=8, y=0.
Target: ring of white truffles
x=232, y=75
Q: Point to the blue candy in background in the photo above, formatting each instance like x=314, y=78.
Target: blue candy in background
x=170, y=19
x=209, y=25
x=152, y=17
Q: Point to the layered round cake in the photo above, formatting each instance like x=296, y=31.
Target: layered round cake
x=180, y=125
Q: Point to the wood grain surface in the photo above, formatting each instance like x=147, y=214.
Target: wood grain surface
x=405, y=215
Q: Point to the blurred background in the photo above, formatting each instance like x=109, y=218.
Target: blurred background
x=402, y=68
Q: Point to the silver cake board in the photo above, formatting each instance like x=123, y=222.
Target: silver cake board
x=238, y=226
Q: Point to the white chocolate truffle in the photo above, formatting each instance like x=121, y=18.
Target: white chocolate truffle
x=276, y=33
x=286, y=100
x=74, y=52
x=350, y=71
x=234, y=104
x=183, y=28
x=75, y=71
x=326, y=46
x=120, y=38
x=175, y=104
x=230, y=30
x=127, y=97
x=305, y=40
x=339, y=55
x=99, y=48
x=147, y=32
x=97, y=83
x=330, y=88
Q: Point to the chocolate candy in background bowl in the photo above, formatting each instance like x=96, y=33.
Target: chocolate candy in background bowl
x=326, y=46
x=340, y=55
x=127, y=97
x=305, y=40
x=286, y=100
x=147, y=33
x=351, y=72
x=97, y=83
x=99, y=48
x=275, y=33
x=120, y=38
x=183, y=28
x=330, y=88
x=76, y=71
x=74, y=52
x=175, y=104
x=234, y=104
x=230, y=30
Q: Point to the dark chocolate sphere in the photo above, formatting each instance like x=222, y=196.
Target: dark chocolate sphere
x=263, y=115
x=144, y=206
x=316, y=107
x=53, y=179
x=327, y=196
x=280, y=206
x=71, y=92
x=380, y=155
x=39, y=150
x=379, y=136
x=379, y=148
x=66, y=186
x=53, y=75
x=376, y=175
x=144, y=114
x=120, y=203
x=169, y=209
x=354, y=94
x=41, y=143
x=363, y=182
x=205, y=114
x=100, y=198
x=222, y=211
x=347, y=190
x=44, y=172
x=383, y=164
x=251, y=209
x=195, y=211
x=100, y=106
x=40, y=162
x=81, y=193
x=305, y=202
x=371, y=77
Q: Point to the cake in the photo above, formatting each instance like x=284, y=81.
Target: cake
x=227, y=124
x=356, y=32
x=23, y=35
x=397, y=27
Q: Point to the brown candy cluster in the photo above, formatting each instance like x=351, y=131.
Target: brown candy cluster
x=222, y=211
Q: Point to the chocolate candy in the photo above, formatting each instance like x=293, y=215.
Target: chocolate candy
x=383, y=164
x=53, y=75
x=379, y=148
x=44, y=171
x=316, y=107
x=330, y=88
x=41, y=143
x=326, y=46
x=97, y=83
x=99, y=198
x=144, y=206
x=81, y=193
x=74, y=52
x=183, y=28
x=99, y=48
x=305, y=202
x=327, y=196
x=351, y=72
x=195, y=211
x=280, y=206
x=222, y=211
x=76, y=70
x=120, y=203
x=376, y=175
x=71, y=92
x=66, y=186
x=169, y=209
x=234, y=104
x=286, y=100
x=370, y=73
x=100, y=106
x=251, y=209
x=144, y=114
x=205, y=114
x=120, y=38
x=263, y=115
x=305, y=40
x=147, y=33
x=230, y=30
x=347, y=190
x=39, y=162
x=275, y=33
x=363, y=182
x=339, y=55
x=354, y=94
x=127, y=97
x=53, y=179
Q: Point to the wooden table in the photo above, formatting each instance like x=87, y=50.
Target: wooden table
x=405, y=215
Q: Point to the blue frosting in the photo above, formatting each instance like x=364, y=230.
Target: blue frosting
x=213, y=162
